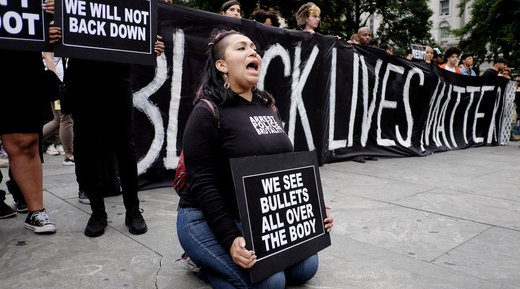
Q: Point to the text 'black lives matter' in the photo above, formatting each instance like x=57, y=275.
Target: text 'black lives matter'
x=22, y=25
x=109, y=30
x=281, y=209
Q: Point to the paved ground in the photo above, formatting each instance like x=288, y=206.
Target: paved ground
x=450, y=220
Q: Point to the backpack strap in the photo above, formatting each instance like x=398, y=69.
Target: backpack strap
x=214, y=109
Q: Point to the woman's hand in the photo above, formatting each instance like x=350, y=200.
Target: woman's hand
x=48, y=6
x=241, y=256
x=54, y=33
x=329, y=221
x=159, y=46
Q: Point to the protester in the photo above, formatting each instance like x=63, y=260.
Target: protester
x=60, y=122
x=387, y=48
x=231, y=8
x=374, y=42
x=429, y=54
x=452, y=56
x=438, y=57
x=505, y=72
x=364, y=35
x=492, y=73
x=308, y=17
x=100, y=88
x=265, y=17
x=465, y=66
x=354, y=39
x=208, y=220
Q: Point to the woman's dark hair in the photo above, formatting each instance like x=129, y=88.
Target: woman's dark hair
x=260, y=15
x=228, y=5
x=212, y=83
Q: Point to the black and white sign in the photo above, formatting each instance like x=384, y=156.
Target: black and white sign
x=109, y=30
x=281, y=209
x=340, y=100
x=418, y=52
x=22, y=25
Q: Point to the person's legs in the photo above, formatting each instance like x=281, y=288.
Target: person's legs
x=302, y=271
x=25, y=164
x=124, y=148
x=5, y=210
x=52, y=126
x=14, y=189
x=217, y=265
x=26, y=167
x=88, y=171
x=66, y=133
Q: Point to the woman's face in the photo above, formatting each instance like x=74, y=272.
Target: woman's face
x=241, y=63
x=313, y=21
x=429, y=54
x=233, y=11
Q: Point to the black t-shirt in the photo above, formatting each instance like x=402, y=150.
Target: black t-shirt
x=490, y=74
x=246, y=129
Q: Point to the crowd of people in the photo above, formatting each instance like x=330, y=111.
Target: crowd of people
x=208, y=223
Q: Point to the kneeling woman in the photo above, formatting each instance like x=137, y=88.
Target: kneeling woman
x=208, y=223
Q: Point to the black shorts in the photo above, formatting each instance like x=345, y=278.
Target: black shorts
x=20, y=114
x=21, y=101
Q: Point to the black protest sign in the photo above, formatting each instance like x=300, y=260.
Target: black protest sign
x=418, y=52
x=281, y=209
x=22, y=25
x=107, y=30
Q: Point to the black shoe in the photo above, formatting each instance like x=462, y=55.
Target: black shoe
x=21, y=207
x=39, y=222
x=96, y=225
x=359, y=159
x=6, y=211
x=135, y=221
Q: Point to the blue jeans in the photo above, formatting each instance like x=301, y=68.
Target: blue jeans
x=218, y=267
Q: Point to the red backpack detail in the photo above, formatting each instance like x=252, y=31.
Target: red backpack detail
x=180, y=173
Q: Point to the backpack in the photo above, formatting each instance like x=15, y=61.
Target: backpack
x=180, y=173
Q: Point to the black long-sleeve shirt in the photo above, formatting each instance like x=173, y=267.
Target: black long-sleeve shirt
x=246, y=129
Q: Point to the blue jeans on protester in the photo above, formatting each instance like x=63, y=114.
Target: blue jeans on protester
x=218, y=267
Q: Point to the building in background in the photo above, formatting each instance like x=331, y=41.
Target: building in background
x=445, y=17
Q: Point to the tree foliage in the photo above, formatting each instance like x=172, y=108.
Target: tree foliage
x=403, y=21
x=493, y=30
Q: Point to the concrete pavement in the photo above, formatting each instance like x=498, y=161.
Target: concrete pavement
x=449, y=220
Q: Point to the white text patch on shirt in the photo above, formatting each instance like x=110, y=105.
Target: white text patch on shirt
x=265, y=125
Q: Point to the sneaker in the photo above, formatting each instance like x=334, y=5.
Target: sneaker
x=3, y=153
x=135, y=221
x=21, y=207
x=96, y=225
x=4, y=163
x=51, y=150
x=59, y=149
x=82, y=197
x=69, y=162
x=6, y=211
x=39, y=222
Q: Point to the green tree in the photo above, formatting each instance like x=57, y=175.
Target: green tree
x=493, y=30
x=404, y=23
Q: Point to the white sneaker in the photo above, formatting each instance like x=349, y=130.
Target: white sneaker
x=51, y=150
x=4, y=163
x=60, y=150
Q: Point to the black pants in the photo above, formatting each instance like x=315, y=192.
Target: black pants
x=104, y=125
